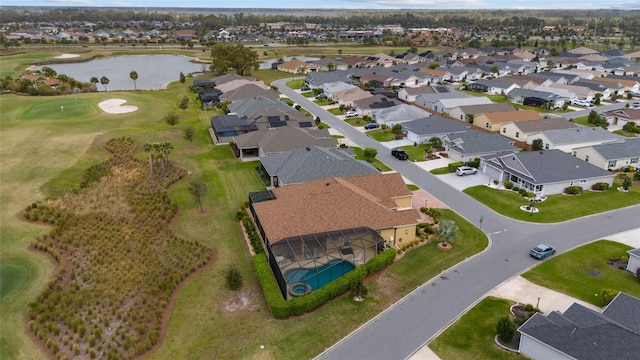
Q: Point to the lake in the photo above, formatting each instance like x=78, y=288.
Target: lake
x=154, y=71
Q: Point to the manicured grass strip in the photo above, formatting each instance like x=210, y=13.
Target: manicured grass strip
x=12, y=279
x=382, y=135
x=556, y=208
x=471, y=337
x=376, y=163
x=573, y=273
x=416, y=153
x=356, y=121
x=335, y=111
x=412, y=187
x=469, y=242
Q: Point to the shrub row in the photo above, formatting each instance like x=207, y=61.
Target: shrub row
x=573, y=190
x=601, y=186
x=454, y=166
x=281, y=308
x=254, y=238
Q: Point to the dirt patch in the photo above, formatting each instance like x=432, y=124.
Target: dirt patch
x=239, y=303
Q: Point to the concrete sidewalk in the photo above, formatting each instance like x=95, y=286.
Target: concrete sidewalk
x=521, y=290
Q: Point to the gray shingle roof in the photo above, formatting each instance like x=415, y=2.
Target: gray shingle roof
x=478, y=142
x=249, y=91
x=580, y=135
x=544, y=125
x=586, y=334
x=434, y=125
x=431, y=98
x=313, y=163
x=485, y=108
x=285, y=138
x=257, y=104
x=533, y=93
x=628, y=148
x=550, y=166
x=400, y=113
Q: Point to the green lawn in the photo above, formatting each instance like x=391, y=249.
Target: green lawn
x=382, y=135
x=335, y=111
x=472, y=336
x=569, y=273
x=323, y=102
x=416, y=153
x=556, y=208
x=357, y=121
x=376, y=163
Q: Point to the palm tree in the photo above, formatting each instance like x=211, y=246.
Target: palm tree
x=447, y=231
x=151, y=148
x=134, y=76
x=104, y=81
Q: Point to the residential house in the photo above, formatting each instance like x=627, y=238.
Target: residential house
x=634, y=261
x=521, y=130
x=566, y=94
x=626, y=83
x=234, y=84
x=465, y=113
x=569, y=139
x=355, y=62
x=377, y=80
x=271, y=141
x=525, y=81
x=448, y=104
x=596, y=87
x=316, y=79
x=496, y=87
x=293, y=66
x=224, y=127
x=469, y=145
x=493, y=121
x=536, y=98
x=332, y=224
x=399, y=114
x=327, y=64
x=409, y=94
x=581, y=92
x=621, y=117
x=248, y=90
x=436, y=76
x=611, y=156
x=373, y=104
x=382, y=59
x=421, y=130
x=582, y=333
x=544, y=172
x=348, y=97
x=312, y=163
x=223, y=79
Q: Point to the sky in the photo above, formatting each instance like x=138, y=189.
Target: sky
x=341, y=4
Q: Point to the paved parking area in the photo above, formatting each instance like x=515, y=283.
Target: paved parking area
x=463, y=182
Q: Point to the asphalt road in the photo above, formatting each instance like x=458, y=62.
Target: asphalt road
x=416, y=319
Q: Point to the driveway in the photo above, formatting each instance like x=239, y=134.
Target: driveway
x=463, y=182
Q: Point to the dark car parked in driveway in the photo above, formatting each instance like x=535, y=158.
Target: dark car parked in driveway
x=371, y=126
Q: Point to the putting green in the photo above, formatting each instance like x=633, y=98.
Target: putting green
x=61, y=108
x=12, y=279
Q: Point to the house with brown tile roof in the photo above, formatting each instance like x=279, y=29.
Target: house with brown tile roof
x=628, y=84
x=494, y=120
x=294, y=66
x=623, y=116
x=381, y=202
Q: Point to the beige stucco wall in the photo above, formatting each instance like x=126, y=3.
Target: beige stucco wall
x=401, y=235
x=403, y=202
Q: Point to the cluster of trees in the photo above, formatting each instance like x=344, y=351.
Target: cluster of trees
x=233, y=56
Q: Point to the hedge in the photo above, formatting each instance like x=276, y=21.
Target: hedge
x=281, y=308
x=454, y=166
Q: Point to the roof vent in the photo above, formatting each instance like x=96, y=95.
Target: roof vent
x=327, y=184
x=308, y=148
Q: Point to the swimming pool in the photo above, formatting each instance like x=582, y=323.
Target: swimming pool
x=318, y=277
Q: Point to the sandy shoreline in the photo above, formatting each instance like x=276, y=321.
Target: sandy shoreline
x=67, y=56
x=114, y=106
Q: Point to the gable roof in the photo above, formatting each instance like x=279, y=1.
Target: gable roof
x=585, y=334
x=500, y=117
x=375, y=102
x=474, y=100
x=580, y=134
x=233, y=84
x=401, y=112
x=530, y=126
x=313, y=163
x=485, y=108
x=248, y=91
x=478, y=142
x=550, y=166
x=257, y=104
x=335, y=203
x=619, y=150
x=434, y=125
x=222, y=79
x=285, y=138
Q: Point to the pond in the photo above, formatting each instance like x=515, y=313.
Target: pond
x=154, y=71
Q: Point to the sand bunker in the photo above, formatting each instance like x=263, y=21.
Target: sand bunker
x=67, y=56
x=114, y=106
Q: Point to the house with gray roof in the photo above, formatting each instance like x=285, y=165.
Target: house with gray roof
x=409, y=94
x=313, y=163
x=538, y=98
x=521, y=130
x=373, y=104
x=224, y=127
x=248, y=91
x=316, y=79
x=428, y=100
x=258, y=104
x=446, y=105
x=569, y=139
x=270, y=141
x=544, y=172
x=469, y=145
x=496, y=87
x=423, y=129
x=585, y=334
x=462, y=112
x=611, y=156
x=398, y=114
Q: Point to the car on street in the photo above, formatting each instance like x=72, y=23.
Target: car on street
x=371, y=126
x=350, y=113
x=584, y=103
x=399, y=154
x=542, y=251
x=466, y=170
x=305, y=88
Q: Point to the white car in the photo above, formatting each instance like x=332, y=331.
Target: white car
x=350, y=113
x=466, y=170
x=584, y=103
